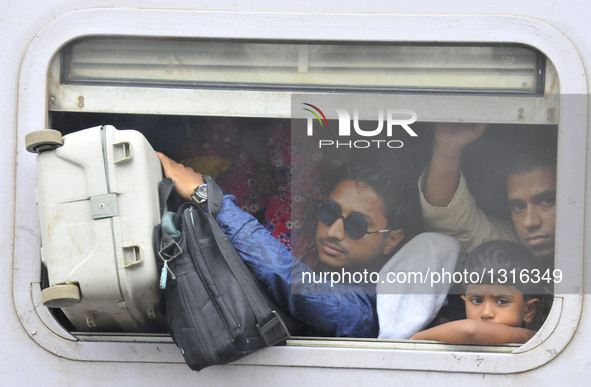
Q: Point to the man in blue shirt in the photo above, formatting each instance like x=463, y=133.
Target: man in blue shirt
x=360, y=226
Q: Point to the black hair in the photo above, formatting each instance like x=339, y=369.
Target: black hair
x=400, y=197
x=530, y=153
x=505, y=263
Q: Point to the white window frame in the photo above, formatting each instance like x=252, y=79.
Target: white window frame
x=491, y=106
x=33, y=112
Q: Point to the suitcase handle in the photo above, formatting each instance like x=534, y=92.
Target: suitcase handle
x=132, y=256
x=122, y=152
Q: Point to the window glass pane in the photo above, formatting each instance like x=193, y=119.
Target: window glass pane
x=302, y=66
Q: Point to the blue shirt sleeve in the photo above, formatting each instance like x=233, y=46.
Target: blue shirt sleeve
x=336, y=311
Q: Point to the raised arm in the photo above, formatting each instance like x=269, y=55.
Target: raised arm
x=475, y=332
x=443, y=174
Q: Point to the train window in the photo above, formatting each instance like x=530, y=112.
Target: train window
x=245, y=98
x=353, y=75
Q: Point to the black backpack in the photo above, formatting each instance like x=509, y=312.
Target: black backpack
x=215, y=308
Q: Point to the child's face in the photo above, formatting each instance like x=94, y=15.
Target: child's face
x=499, y=304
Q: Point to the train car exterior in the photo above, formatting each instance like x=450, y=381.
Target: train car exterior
x=39, y=38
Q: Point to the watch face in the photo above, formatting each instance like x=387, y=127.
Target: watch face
x=199, y=195
x=201, y=191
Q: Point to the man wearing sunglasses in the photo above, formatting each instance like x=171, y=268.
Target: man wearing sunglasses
x=355, y=230
x=363, y=222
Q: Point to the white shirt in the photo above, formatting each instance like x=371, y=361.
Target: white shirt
x=408, y=294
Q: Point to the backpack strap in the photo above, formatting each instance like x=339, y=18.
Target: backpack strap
x=215, y=196
x=270, y=325
x=165, y=189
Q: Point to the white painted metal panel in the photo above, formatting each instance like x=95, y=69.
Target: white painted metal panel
x=34, y=346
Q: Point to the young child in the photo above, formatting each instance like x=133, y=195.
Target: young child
x=496, y=312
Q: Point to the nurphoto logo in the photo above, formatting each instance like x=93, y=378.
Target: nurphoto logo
x=372, y=138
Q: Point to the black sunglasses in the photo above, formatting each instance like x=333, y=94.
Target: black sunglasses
x=328, y=212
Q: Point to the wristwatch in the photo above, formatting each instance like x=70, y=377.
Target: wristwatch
x=199, y=195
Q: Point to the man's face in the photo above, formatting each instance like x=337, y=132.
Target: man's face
x=498, y=304
x=532, y=200
x=335, y=247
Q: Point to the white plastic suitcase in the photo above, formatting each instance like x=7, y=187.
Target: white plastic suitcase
x=98, y=203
